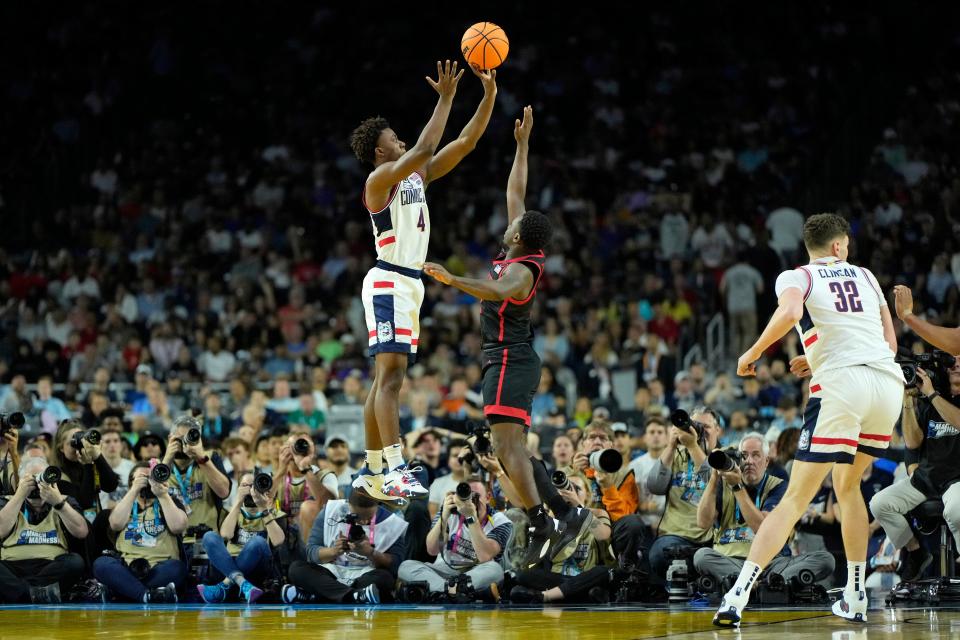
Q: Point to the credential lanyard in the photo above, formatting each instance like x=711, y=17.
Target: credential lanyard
x=185, y=488
x=757, y=501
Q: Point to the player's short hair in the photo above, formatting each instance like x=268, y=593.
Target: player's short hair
x=535, y=230
x=822, y=229
x=363, y=140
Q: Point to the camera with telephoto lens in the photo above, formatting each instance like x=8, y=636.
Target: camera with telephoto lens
x=724, y=460
x=481, y=432
x=50, y=475
x=91, y=437
x=464, y=493
x=192, y=437
x=10, y=421
x=937, y=364
x=681, y=420
x=606, y=460
x=160, y=472
x=262, y=483
x=301, y=446
x=561, y=481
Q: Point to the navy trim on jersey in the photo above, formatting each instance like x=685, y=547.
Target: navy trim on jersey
x=810, y=415
x=806, y=321
x=382, y=221
x=404, y=271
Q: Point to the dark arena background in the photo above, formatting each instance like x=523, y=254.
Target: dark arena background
x=183, y=253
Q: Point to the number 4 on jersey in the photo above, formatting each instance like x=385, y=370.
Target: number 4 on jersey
x=420, y=223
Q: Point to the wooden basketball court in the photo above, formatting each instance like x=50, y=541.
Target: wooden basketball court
x=436, y=623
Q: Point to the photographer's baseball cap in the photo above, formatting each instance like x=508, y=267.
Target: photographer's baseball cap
x=145, y=369
x=620, y=427
x=332, y=441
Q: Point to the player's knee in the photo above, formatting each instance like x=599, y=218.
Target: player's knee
x=390, y=379
x=505, y=437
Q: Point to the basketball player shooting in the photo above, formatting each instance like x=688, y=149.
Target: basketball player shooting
x=856, y=392
x=394, y=196
x=511, y=368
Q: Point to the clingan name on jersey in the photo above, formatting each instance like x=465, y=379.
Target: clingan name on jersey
x=841, y=272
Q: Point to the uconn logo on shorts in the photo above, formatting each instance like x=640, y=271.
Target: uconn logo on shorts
x=385, y=331
x=804, y=442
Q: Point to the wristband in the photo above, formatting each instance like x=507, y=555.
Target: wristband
x=933, y=396
x=59, y=505
x=204, y=460
x=469, y=520
x=736, y=487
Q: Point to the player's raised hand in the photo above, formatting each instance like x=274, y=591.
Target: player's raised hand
x=447, y=79
x=903, y=298
x=488, y=78
x=521, y=130
x=437, y=272
x=746, y=365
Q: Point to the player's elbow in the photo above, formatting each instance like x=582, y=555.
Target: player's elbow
x=793, y=312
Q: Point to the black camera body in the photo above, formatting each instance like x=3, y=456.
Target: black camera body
x=355, y=533
x=416, y=592
x=10, y=421
x=937, y=364
x=725, y=459
x=681, y=420
x=481, y=432
x=91, y=437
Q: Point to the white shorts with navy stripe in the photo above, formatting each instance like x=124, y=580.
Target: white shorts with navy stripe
x=850, y=409
x=391, y=305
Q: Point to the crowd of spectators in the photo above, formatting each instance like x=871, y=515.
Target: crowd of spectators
x=191, y=236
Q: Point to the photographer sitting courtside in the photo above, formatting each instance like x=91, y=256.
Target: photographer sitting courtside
x=198, y=479
x=613, y=492
x=931, y=423
x=578, y=568
x=35, y=564
x=352, y=555
x=678, y=475
x=746, y=495
x=467, y=540
x=85, y=471
x=149, y=521
x=241, y=551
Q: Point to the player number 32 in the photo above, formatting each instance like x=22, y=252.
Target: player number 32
x=848, y=298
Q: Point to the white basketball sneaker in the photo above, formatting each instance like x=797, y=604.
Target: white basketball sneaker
x=852, y=606
x=731, y=608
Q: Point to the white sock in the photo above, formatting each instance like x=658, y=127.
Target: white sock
x=394, y=456
x=375, y=460
x=855, y=573
x=748, y=575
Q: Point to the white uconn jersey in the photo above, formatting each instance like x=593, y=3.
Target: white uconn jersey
x=401, y=229
x=841, y=324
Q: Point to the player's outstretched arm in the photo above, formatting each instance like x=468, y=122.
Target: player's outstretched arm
x=788, y=313
x=451, y=155
x=940, y=337
x=517, y=182
x=390, y=173
x=514, y=283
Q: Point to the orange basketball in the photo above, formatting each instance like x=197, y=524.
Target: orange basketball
x=485, y=46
